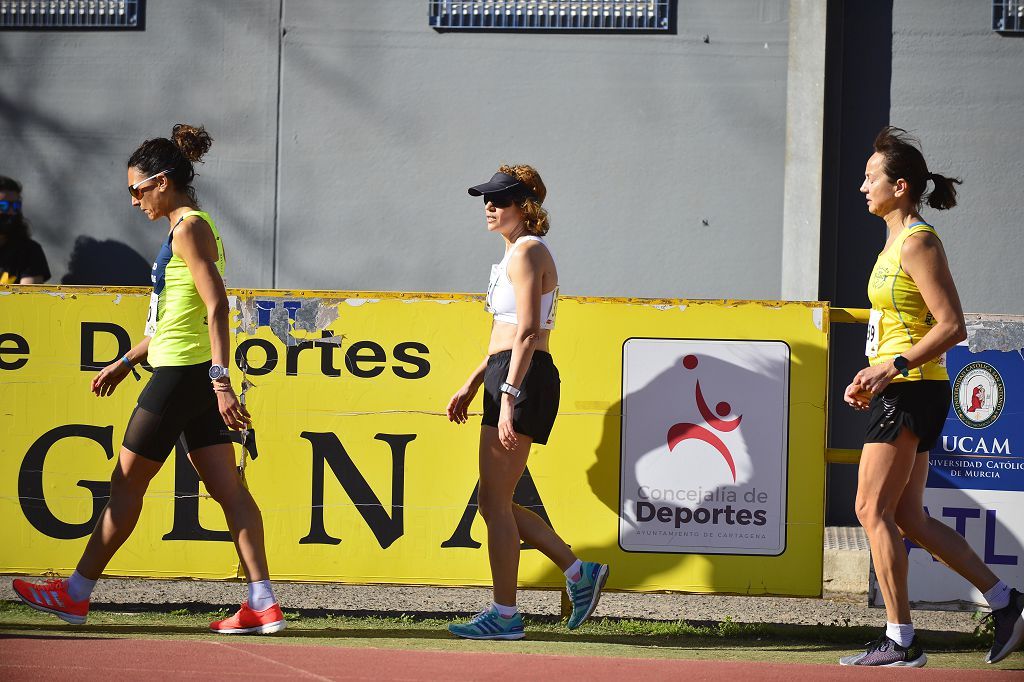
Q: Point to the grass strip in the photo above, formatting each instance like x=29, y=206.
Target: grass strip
x=821, y=643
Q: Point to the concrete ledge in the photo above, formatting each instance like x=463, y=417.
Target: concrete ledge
x=846, y=560
x=846, y=571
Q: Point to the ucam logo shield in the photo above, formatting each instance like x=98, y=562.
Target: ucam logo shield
x=978, y=395
x=704, y=446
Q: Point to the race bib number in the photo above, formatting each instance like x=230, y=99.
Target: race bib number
x=154, y=301
x=493, y=282
x=554, y=304
x=874, y=332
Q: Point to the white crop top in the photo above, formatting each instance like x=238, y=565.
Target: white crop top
x=501, y=298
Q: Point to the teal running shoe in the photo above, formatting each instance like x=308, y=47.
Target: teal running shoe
x=586, y=592
x=489, y=625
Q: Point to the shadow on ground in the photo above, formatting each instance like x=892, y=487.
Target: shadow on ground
x=421, y=625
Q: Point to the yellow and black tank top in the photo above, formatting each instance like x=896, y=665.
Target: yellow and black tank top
x=899, y=316
x=177, y=315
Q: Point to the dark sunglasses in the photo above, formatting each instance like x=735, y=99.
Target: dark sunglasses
x=135, y=190
x=499, y=200
x=10, y=207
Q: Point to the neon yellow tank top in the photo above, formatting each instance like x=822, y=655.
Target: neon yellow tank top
x=177, y=315
x=899, y=316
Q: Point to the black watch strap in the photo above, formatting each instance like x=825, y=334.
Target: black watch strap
x=901, y=365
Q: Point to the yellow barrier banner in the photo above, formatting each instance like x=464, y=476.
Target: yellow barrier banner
x=688, y=452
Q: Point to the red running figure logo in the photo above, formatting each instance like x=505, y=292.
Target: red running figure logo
x=686, y=431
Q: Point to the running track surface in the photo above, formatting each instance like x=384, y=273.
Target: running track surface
x=35, y=657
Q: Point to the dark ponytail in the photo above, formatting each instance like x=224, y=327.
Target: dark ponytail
x=902, y=158
x=943, y=196
x=186, y=147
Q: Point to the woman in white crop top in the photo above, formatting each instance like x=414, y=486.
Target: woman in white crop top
x=520, y=402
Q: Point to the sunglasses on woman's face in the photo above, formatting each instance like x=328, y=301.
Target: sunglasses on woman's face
x=135, y=190
x=10, y=207
x=499, y=200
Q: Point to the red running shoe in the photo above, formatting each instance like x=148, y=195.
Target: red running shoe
x=247, y=621
x=52, y=597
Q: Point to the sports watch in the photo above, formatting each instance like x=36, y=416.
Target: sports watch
x=218, y=372
x=901, y=365
x=510, y=389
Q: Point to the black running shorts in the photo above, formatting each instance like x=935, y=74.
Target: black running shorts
x=921, y=406
x=535, y=409
x=177, y=401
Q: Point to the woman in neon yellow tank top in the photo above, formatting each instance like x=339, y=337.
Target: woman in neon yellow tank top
x=915, y=318
x=189, y=395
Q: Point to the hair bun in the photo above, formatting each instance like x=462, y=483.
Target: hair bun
x=193, y=142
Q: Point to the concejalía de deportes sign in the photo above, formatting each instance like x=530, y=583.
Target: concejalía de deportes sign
x=704, y=446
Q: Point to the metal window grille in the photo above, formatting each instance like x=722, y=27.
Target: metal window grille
x=1008, y=16
x=560, y=15
x=71, y=14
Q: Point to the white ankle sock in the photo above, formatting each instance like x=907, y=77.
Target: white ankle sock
x=901, y=633
x=261, y=595
x=80, y=587
x=505, y=611
x=998, y=597
x=575, y=571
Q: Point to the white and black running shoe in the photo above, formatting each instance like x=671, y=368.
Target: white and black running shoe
x=883, y=652
x=1009, y=627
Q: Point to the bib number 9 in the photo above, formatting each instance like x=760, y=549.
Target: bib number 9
x=874, y=333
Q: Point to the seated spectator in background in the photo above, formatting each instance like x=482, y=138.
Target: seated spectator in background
x=21, y=259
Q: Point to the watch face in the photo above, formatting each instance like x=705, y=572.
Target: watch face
x=216, y=371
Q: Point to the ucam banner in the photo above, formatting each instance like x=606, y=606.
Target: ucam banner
x=361, y=478
x=704, y=446
x=976, y=480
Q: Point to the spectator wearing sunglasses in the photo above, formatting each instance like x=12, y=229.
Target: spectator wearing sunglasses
x=189, y=394
x=21, y=259
x=520, y=402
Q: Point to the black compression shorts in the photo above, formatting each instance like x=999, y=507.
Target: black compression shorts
x=177, y=401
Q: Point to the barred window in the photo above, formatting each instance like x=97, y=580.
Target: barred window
x=625, y=16
x=1008, y=16
x=65, y=15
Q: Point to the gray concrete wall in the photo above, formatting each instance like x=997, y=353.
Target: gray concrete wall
x=960, y=87
x=359, y=181
x=75, y=105
x=639, y=139
x=385, y=122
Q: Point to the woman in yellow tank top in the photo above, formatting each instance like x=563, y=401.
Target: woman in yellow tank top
x=915, y=318
x=189, y=395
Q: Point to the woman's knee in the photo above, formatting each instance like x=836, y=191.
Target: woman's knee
x=124, y=486
x=492, y=505
x=225, y=490
x=870, y=513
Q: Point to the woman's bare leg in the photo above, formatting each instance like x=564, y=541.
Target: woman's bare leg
x=128, y=485
x=885, y=470
x=216, y=466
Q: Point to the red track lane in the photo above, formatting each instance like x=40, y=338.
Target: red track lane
x=48, y=658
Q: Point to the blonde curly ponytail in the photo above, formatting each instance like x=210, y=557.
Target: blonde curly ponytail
x=535, y=215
